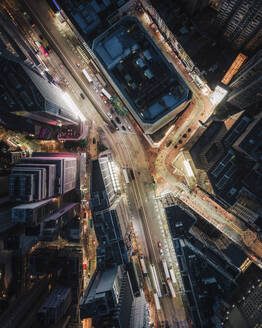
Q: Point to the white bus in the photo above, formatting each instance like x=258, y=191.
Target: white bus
x=172, y=274
x=157, y=303
x=155, y=280
x=88, y=77
x=143, y=265
x=125, y=176
x=166, y=269
x=106, y=93
x=169, y=282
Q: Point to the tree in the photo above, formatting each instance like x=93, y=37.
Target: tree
x=120, y=109
x=101, y=147
x=72, y=145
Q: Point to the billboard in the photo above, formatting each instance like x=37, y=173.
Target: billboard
x=234, y=68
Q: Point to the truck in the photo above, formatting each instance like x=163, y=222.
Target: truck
x=157, y=303
x=172, y=275
x=143, y=265
x=172, y=290
x=106, y=93
x=165, y=269
x=125, y=176
x=88, y=77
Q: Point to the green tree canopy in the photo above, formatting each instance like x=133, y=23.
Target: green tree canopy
x=74, y=144
x=119, y=108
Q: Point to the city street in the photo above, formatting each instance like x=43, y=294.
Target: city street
x=126, y=147
x=130, y=150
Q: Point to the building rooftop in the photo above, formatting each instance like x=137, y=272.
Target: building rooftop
x=147, y=80
x=32, y=205
x=91, y=17
x=97, y=183
x=226, y=176
x=208, y=148
x=24, y=91
x=253, y=181
x=103, y=282
x=251, y=143
x=176, y=214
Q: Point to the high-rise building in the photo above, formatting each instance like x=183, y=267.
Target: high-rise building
x=34, y=213
x=147, y=83
x=246, y=85
x=209, y=264
x=250, y=143
x=65, y=170
x=108, y=299
x=64, y=265
x=140, y=313
x=51, y=227
x=31, y=181
x=112, y=248
x=25, y=92
x=80, y=164
x=243, y=310
x=27, y=184
x=12, y=37
x=103, y=188
x=240, y=23
x=55, y=306
x=108, y=215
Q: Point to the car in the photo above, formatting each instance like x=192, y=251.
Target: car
x=94, y=242
x=32, y=23
x=129, y=128
x=82, y=96
x=165, y=288
x=159, y=244
x=123, y=127
x=61, y=65
x=77, y=64
x=114, y=124
x=94, y=140
x=111, y=110
x=118, y=120
x=41, y=48
x=109, y=115
x=161, y=251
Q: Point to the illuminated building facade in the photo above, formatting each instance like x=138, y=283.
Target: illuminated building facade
x=24, y=92
x=246, y=85
x=37, y=178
